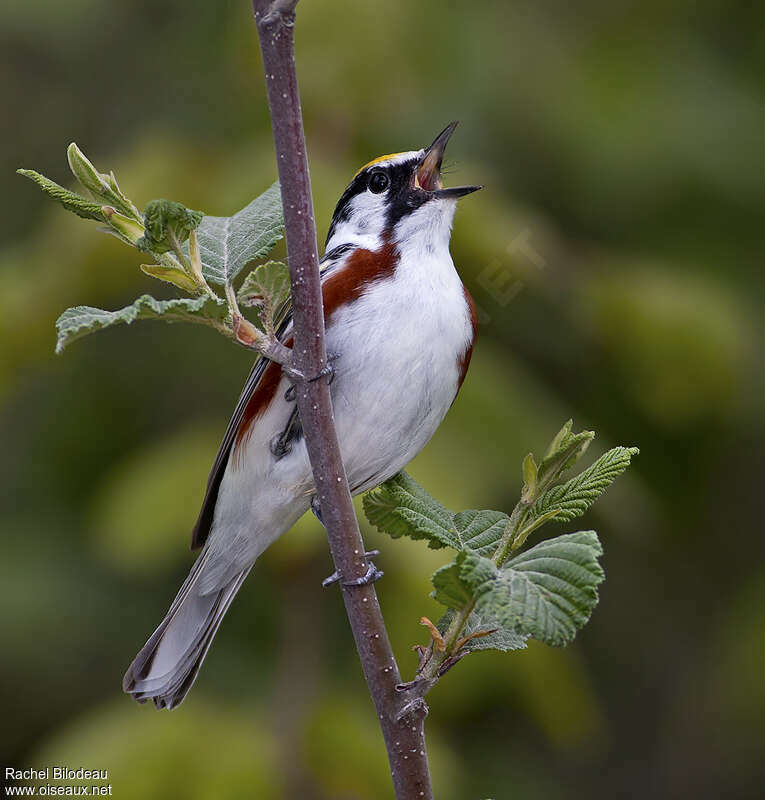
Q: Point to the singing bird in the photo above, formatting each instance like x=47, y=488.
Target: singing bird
x=400, y=328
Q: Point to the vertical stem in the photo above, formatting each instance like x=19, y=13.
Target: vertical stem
x=401, y=717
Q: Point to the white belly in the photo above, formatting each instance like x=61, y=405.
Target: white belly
x=397, y=351
x=396, y=374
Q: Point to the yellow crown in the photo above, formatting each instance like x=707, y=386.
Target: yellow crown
x=378, y=160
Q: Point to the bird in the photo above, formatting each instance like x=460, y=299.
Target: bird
x=400, y=328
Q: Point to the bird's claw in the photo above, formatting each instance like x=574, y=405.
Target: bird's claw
x=327, y=371
x=372, y=574
x=333, y=578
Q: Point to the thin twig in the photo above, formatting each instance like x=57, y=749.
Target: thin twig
x=401, y=720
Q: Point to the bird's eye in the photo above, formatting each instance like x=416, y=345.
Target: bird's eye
x=378, y=182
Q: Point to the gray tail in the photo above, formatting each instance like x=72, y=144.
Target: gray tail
x=168, y=663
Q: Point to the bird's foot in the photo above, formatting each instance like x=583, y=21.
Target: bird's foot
x=372, y=574
x=327, y=371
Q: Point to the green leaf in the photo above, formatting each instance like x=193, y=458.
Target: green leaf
x=69, y=200
x=79, y=321
x=228, y=244
x=450, y=590
x=455, y=584
x=475, y=570
x=479, y=530
x=271, y=279
x=575, y=496
x=529, y=479
x=103, y=187
x=564, y=451
x=167, y=225
x=171, y=275
x=267, y=287
x=401, y=507
x=536, y=522
x=547, y=592
x=125, y=228
x=500, y=639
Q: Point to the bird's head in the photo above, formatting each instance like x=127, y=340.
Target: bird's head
x=397, y=196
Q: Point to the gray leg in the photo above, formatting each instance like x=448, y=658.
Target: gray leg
x=373, y=574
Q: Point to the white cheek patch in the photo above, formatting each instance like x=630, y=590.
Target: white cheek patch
x=364, y=225
x=366, y=214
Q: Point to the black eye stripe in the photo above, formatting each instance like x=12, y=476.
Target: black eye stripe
x=400, y=199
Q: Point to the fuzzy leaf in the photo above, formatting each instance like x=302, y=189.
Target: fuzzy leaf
x=479, y=530
x=454, y=587
x=267, y=288
x=69, y=200
x=547, y=592
x=500, y=638
x=171, y=275
x=449, y=589
x=529, y=478
x=575, y=496
x=564, y=451
x=125, y=228
x=79, y=321
x=401, y=507
x=167, y=225
x=536, y=522
x=271, y=279
x=103, y=187
x=228, y=244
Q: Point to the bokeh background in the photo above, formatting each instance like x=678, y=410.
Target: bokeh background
x=616, y=257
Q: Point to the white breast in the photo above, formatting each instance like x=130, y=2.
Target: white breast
x=399, y=347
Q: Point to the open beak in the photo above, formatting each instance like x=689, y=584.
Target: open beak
x=428, y=175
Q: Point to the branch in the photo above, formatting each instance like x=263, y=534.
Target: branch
x=401, y=716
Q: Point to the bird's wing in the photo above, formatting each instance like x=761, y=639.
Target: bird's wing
x=283, y=321
x=205, y=519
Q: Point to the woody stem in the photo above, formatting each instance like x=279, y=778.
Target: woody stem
x=401, y=717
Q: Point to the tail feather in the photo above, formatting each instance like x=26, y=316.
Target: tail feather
x=167, y=665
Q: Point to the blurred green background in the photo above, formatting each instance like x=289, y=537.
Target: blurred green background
x=616, y=257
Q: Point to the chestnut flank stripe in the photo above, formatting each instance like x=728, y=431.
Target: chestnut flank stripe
x=343, y=286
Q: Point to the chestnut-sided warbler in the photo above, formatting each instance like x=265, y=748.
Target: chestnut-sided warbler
x=400, y=326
